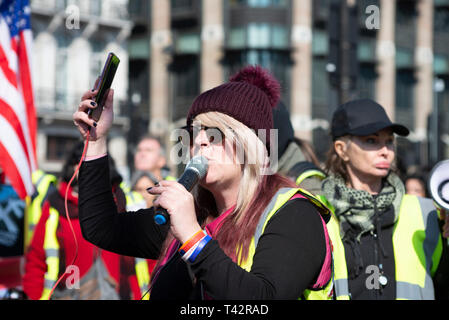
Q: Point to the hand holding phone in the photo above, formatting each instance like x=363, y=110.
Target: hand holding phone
x=103, y=85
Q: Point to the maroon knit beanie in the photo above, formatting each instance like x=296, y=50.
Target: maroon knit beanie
x=249, y=97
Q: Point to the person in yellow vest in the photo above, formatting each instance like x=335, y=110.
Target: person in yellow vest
x=150, y=158
x=44, y=184
x=243, y=233
x=387, y=244
x=96, y=273
x=141, y=181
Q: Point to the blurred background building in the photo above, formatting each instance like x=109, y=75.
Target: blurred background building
x=71, y=43
x=324, y=52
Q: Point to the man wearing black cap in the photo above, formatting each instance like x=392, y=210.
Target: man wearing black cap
x=387, y=244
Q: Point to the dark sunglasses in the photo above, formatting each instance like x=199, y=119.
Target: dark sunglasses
x=214, y=135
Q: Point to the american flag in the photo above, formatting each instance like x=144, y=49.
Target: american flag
x=18, y=124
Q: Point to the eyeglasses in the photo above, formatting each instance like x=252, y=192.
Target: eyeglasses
x=214, y=135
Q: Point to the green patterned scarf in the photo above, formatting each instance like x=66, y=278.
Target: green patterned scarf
x=356, y=209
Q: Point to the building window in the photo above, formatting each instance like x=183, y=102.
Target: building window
x=367, y=81
x=185, y=75
x=276, y=61
x=258, y=36
x=404, y=58
x=320, y=43
x=405, y=29
x=441, y=19
x=260, y=3
x=61, y=72
x=138, y=48
x=320, y=87
x=97, y=59
x=441, y=64
x=95, y=7
x=405, y=82
x=58, y=147
x=237, y=38
x=181, y=4
x=320, y=105
x=188, y=43
x=366, y=50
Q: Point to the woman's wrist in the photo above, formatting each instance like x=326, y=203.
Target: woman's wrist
x=187, y=235
x=194, y=245
x=96, y=149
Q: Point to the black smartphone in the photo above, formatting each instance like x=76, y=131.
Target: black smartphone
x=103, y=84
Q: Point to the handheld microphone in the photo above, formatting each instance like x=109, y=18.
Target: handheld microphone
x=195, y=170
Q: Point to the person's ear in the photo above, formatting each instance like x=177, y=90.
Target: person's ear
x=341, y=148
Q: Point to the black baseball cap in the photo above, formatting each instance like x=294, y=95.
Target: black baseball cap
x=362, y=117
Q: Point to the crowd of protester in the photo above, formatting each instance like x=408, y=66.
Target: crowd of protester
x=355, y=225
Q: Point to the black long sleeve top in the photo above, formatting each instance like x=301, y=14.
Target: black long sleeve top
x=288, y=257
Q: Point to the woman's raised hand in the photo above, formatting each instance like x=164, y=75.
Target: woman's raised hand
x=98, y=130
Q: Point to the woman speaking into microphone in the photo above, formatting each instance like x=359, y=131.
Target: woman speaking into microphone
x=242, y=233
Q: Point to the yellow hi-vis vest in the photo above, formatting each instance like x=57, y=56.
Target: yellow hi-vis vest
x=143, y=276
x=134, y=200
x=42, y=182
x=417, y=247
x=281, y=197
x=51, y=248
x=309, y=173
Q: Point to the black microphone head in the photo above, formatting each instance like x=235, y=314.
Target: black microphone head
x=199, y=164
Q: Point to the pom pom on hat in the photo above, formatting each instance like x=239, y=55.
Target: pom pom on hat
x=260, y=78
x=248, y=97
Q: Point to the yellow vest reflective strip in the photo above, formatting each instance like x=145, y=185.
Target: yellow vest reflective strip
x=134, y=201
x=42, y=182
x=308, y=174
x=51, y=247
x=124, y=186
x=340, y=270
x=417, y=246
x=143, y=276
x=281, y=197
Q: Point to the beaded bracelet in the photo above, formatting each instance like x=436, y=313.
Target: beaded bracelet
x=199, y=247
x=186, y=246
